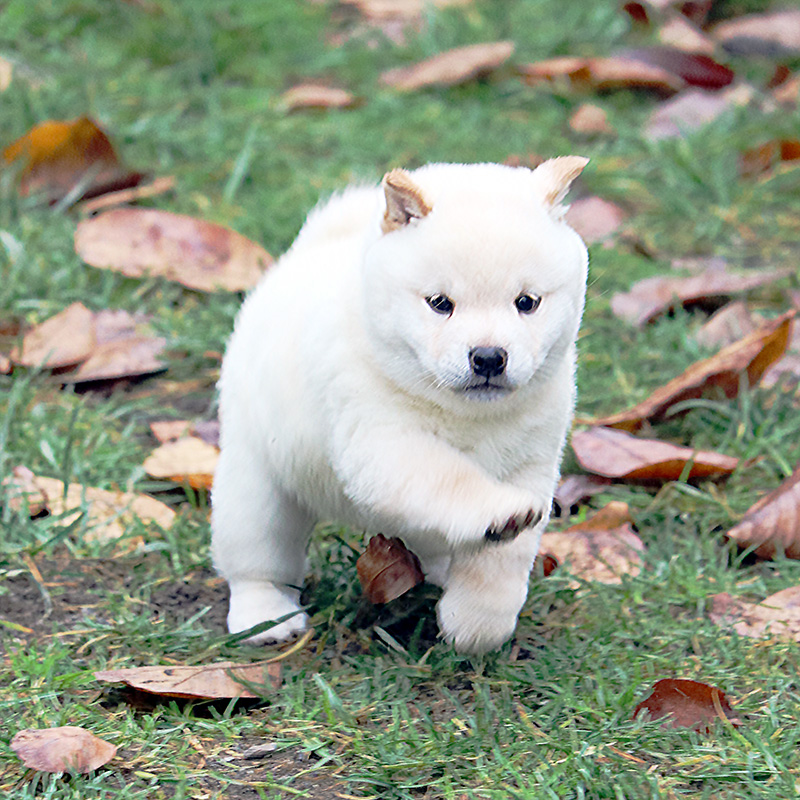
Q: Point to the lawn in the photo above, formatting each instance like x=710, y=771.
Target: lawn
x=373, y=705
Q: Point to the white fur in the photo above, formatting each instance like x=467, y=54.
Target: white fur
x=342, y=395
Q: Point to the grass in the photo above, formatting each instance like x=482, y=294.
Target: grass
x=375, y=706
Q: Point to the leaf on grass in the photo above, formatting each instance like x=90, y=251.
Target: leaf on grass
x=64, y=749
x=643, y=11
x=776, y=616
x=692, y=68
x=173, y=429
x=681, y=34
x=652, y=297
x=617, y=454
x=682, y=703
x=59, y=156
x=147, y=242
x=590, y=119
x=748, y=359
x=772, y=525
x=61, y=341
x=574, y=489
x=6, y=73
x=602, y=548
x=729, y=324
x=770, y=34
x=316, y=96
x=108, y=513
x=187, y=460
x=222, y=681
x=387, y=569
x=404, y=9
x=691, y=110
x=595, y=219
x=450, y=68
x=131, y=357
x=763, y=159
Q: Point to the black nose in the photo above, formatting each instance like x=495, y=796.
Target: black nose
x=488, y=361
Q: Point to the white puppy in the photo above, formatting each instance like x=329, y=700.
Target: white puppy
x=406, y=368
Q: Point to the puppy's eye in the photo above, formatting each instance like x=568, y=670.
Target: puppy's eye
x=441, y=304
x=527, y=303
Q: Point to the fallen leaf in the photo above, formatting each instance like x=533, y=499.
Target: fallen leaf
x=772, y=525
x=59, y=156
x=617, y=454
x=187, y=460
x=572, y=490
x=693, y=68
x=545, y=564
x=595, y=219
x=64, y=749
x=747, y=359
x=450, y=68
x=156, y=187
x=404, y=9
x=681, y=34
x=686, y=112
x=652, y=297
x=684, y=703
x=221, y=681
x=129, y=358
x=727, y=325
x=602, y=548
x=108, y=513
x=590, y=119
x=772, y=34
x=759, y=160
x=61, y=341
x=777, y=615
x=641, y=12
x=387, y=569
x=148, y=242
x=312, y=95
x=6, y=73
x=5, y=364
x=173, y=429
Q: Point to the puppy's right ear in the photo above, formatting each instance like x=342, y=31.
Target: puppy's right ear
x=553, y=178
x=404, y=201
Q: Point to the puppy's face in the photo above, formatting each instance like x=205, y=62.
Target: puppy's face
x=481, y=294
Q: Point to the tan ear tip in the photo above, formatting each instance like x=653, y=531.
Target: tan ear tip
x=397, y=178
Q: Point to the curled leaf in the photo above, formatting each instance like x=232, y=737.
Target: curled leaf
x=64, y=749
x=387, y=569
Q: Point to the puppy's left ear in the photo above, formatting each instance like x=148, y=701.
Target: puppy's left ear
x=404, y=201
x=552, y=180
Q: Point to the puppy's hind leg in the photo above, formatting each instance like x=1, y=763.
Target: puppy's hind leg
x=259, y=544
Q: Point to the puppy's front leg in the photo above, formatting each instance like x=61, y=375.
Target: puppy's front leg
x=484, y=592
x=418, y=482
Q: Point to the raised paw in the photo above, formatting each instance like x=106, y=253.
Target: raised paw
x=512, y=527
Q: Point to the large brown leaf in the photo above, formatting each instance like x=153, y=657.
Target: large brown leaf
x=64, y=749
x=650, y=298
x=222, y=681
x=777, y=615
x=748, y=359
x=148, y=242
x=450, y=68
x=387, y=569
x=773, y=523
x=685, y=703
x=186, y=460
x=602, y=548
x=64, y=340
x=59, y=156
x=769, y=34
x=616, y=454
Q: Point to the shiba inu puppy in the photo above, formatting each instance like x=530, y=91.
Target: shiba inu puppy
x=407, y=367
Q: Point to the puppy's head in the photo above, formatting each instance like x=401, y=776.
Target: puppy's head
x=474, y=288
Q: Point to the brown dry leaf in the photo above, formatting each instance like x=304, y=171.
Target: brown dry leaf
x=762, y=159
x=387, y=569
x=689, y=111
x=6, y=73
x=61, y=341
x=684, y=703
x=602, y=548
x=679, y=33
x=694, y=10
x=773, y=523
x=650, y=298
x=60, y=155
x=595, y=219
x=574, y=489
x=727, y=325
x=777, y=615
x=451, y=68
x=108, y=513
x=748, y=359
x=617, y=454
x=693, y=68
x=156, y=187
x=222, y=681
x=186, y=460
x=590, y=119
x=768, y=34
x=64, y=749
x=602, y=74
x=312, y=95
x=198, y=254
x=131, y=357
x=399, y=9
x=170, y=429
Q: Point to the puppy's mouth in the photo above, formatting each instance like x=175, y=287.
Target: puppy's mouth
x=486, y=390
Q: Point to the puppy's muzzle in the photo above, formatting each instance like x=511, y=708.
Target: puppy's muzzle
x=488, y=362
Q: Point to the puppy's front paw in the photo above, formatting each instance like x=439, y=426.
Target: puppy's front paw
x=475, y=624
x=510, y=528
x=254, y=603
